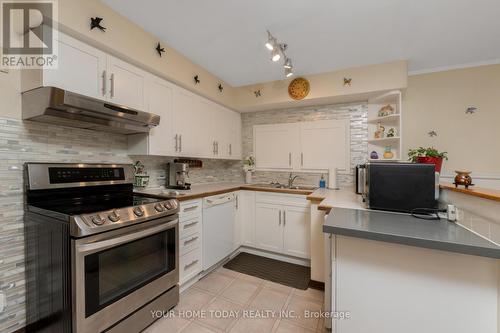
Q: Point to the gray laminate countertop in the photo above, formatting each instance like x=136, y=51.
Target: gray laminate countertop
x=408, y=230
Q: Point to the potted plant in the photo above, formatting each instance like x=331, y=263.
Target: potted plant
x=429, y=155
x=248, y=167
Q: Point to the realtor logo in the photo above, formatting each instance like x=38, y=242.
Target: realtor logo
x=28, y=34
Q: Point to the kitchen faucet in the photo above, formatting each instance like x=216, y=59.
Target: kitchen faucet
x=291, y=179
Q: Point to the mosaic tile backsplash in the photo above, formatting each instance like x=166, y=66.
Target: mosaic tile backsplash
x=36, y=142
x=357, y=114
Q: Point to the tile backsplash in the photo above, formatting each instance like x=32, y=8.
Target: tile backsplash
x=356, y=113
x=23, y=141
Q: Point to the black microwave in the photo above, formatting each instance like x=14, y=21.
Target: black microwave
x=400, y=187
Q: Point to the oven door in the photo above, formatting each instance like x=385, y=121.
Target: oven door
x=117, y=272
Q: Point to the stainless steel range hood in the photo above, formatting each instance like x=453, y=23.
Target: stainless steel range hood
x=61, y=107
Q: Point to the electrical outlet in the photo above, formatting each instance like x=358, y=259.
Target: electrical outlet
x=3, y=301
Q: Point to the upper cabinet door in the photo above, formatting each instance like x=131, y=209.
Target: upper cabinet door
x=127, y=84
x=324, y=144
x=81, y=69
x=275, y=146
x=160, y=95
x=235, y=143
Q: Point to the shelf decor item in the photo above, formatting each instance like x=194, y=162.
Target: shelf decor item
x=429, y=155
x=391, y=132
x=374, y=155
x=380, y=132
x=388, y=154
x=463, y=178
x=386, y=110
x=299, y=88
x=248, y=167
x=141, y=178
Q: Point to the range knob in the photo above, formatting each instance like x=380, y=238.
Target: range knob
x=168, y=205
x=138, y=211
x=98, y=220
x=114, y=216
x=159, y=208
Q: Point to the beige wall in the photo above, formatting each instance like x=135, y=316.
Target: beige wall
x=130, y=42
x=438, y=101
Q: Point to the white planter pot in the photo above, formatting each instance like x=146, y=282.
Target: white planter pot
x=248, y=177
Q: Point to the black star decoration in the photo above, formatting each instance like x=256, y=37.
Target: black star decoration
x=221, y=88
x=471, y=110
x=95, y=22
x=160, y=49
x=257, y=93
x=432, y=133
x=196, y=79
x=347, y=82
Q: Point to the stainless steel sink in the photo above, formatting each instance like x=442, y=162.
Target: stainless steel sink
x=295, y=187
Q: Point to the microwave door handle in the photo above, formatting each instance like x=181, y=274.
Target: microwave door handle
x=86, y=249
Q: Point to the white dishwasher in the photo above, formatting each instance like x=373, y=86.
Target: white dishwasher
x=219, y=214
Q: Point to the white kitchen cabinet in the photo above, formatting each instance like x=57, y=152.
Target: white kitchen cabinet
x=324, y=145
x=296, y=231
x=275, y=146
x=187, y=124
x=190, y=239
x=160, y=140
x=282, y=224
x=235, y=147
x=127, y=84
x=318, y=145
x=81, y=69
x=268, y=227
x=246, y=209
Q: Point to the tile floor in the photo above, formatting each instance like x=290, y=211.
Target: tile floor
x=228, y=301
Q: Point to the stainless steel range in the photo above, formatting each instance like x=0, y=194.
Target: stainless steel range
x=98, y=257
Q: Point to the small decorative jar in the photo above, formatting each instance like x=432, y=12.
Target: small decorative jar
x=388, y=154
x=374, y=155
x=463, y=178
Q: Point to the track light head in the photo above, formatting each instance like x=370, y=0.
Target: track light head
x=275, y=55
x=288, y=63
x=288, y=72
x=271, y=41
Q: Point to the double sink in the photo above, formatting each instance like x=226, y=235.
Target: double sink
x=282, y=186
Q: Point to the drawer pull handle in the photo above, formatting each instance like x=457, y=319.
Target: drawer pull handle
x=189, y=225
x=190, y=264
x=186, y=242
x=188, y=209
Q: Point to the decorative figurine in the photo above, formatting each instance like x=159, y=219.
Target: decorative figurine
x=380, y=132
x=388, y=154
x=374, y=155
x=391, y=132
x=386, y=110
x=463, y=178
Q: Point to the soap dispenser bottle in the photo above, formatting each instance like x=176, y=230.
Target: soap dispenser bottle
x=322, y=181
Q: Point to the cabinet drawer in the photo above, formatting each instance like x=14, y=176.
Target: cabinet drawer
x=190, y=209
x=189, y=265
x=189, y=243
x=189, y=227
x=282, y=199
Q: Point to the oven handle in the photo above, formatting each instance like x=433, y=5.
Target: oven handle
x=86, y=249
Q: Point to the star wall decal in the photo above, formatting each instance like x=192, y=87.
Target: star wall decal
x=471, y=110
x=257, y=93
x=160, y=49
x=432, y=133
x=196, y=79
x=347, y=82
x=221, y=88
x=95, y=22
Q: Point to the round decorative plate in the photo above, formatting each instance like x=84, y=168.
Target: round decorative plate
x=298, y=88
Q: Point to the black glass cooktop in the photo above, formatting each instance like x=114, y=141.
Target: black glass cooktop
x=93, y=203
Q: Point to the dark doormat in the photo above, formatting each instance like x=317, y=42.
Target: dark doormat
x=291, y=275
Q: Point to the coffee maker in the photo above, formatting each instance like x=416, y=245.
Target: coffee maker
x=177, y=174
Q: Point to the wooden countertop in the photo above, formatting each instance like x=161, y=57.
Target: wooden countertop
x=206, y=190
x=480, y=192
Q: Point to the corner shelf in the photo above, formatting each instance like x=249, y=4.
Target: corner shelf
x=394, y=139
x=390, y=119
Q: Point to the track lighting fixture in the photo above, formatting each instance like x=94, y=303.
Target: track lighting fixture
x=278, y=52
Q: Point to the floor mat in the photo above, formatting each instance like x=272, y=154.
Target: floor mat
x=291, y=275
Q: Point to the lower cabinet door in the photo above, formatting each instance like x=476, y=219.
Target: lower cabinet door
x=189, y=265
x=269, y=227
x=296, y=233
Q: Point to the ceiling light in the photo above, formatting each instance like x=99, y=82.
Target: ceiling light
x=275, y=56
x=288, y=72
x=271, y=41
x=288, y=63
